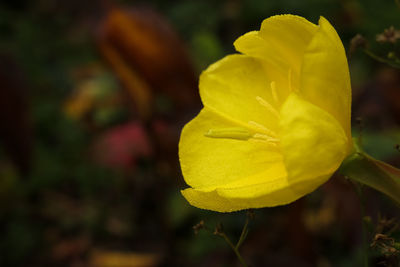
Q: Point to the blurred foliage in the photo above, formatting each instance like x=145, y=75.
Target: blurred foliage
x=72, y=209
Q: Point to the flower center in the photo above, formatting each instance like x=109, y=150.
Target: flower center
x=260, y=132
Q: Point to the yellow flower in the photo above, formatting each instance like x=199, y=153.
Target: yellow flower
x=276, y=118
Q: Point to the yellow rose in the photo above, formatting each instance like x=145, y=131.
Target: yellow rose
x=276, y=118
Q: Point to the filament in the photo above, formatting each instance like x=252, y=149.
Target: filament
x=267, y=106
x=274, y=92
x=263, y=128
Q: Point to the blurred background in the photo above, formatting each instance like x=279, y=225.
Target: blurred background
x=93, y=95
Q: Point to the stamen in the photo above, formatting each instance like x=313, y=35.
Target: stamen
x=230, y=133
x=267, y=106
x=262, y=128
x=274, y=92
x=272, y=144
x=265, y=137
x=290, y=80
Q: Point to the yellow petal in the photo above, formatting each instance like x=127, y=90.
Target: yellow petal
x=211, y=162
x=325, y=79
x=313, y=143
x=238, y=88
x=280, y=43
x=214, y=201
x=252, y=196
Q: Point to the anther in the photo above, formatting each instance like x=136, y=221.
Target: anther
x=230, y=133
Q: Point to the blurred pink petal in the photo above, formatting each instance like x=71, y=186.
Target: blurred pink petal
x=121, y=146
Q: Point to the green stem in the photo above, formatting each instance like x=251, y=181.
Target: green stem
x=366, y=170
x=234, y=249
x=381, y=59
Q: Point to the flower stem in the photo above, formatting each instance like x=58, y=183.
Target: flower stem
x=362, y=168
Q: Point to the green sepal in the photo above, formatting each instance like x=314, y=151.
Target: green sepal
x=364, y=169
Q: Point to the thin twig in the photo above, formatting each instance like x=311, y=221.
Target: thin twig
x=222, y=234
x=381, y=59
x=219, y=232
x=244, y=233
